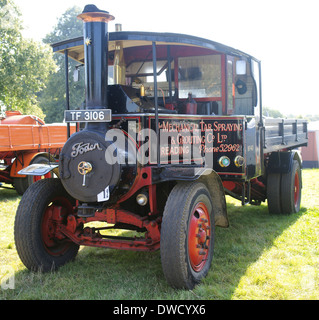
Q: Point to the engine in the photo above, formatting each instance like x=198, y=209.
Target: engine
x=92, y=168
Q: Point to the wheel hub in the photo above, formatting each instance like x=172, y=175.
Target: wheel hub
x=199, y=237
x=53, y=217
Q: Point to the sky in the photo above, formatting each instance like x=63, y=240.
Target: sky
x=280, y=33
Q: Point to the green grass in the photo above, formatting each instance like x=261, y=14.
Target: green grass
x=260, y=256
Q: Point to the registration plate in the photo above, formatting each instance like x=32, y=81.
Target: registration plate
x=98, y=115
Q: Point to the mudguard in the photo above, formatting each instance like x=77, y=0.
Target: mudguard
x=217, y=193
x=281, y=162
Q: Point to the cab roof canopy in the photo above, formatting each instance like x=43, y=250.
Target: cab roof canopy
x=130, y=39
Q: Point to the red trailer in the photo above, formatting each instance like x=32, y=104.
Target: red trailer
x=310, y=153
x=25, y=140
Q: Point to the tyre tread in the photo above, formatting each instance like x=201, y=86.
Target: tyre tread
x=173, y=234
x=26, y=234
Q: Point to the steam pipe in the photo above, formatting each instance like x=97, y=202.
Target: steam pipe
x=95, y=26
x=67, y=91
x=156, y=102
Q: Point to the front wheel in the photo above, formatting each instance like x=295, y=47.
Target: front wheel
x=187, y=235
x=43, y=207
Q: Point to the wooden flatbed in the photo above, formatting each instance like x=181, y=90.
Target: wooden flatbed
x=24, y=140
x=31, y=137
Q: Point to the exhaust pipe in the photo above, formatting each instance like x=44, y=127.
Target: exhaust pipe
x=95, y=25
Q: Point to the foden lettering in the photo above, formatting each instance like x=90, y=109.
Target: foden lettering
x=80, y=148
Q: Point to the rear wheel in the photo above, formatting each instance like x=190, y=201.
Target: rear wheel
x=284, y=190
x=187, y=235
x=40, y=245
x=291, y=189
x=273, y=193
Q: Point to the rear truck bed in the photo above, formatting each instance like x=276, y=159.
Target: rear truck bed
x=31, y=137
x=284, y=134
x=28, y=140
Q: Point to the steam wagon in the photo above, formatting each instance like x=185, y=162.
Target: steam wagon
x=172, y=124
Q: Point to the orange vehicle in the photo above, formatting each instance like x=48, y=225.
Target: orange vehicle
x=25, y=140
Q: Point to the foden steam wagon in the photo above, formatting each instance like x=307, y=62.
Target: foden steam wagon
x=172, y=123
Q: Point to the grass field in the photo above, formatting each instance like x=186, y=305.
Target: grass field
x=259, y=257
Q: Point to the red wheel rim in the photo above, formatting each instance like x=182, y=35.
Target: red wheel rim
x=55, y=214
x=199, y=234
x=297, y=189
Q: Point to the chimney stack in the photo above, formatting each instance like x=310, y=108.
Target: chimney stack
x=96, y=55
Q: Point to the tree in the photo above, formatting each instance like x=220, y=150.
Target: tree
x=24, y=64
x=52, y=99
x=268, y=112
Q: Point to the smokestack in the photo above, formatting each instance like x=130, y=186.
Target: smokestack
x=96, y=55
